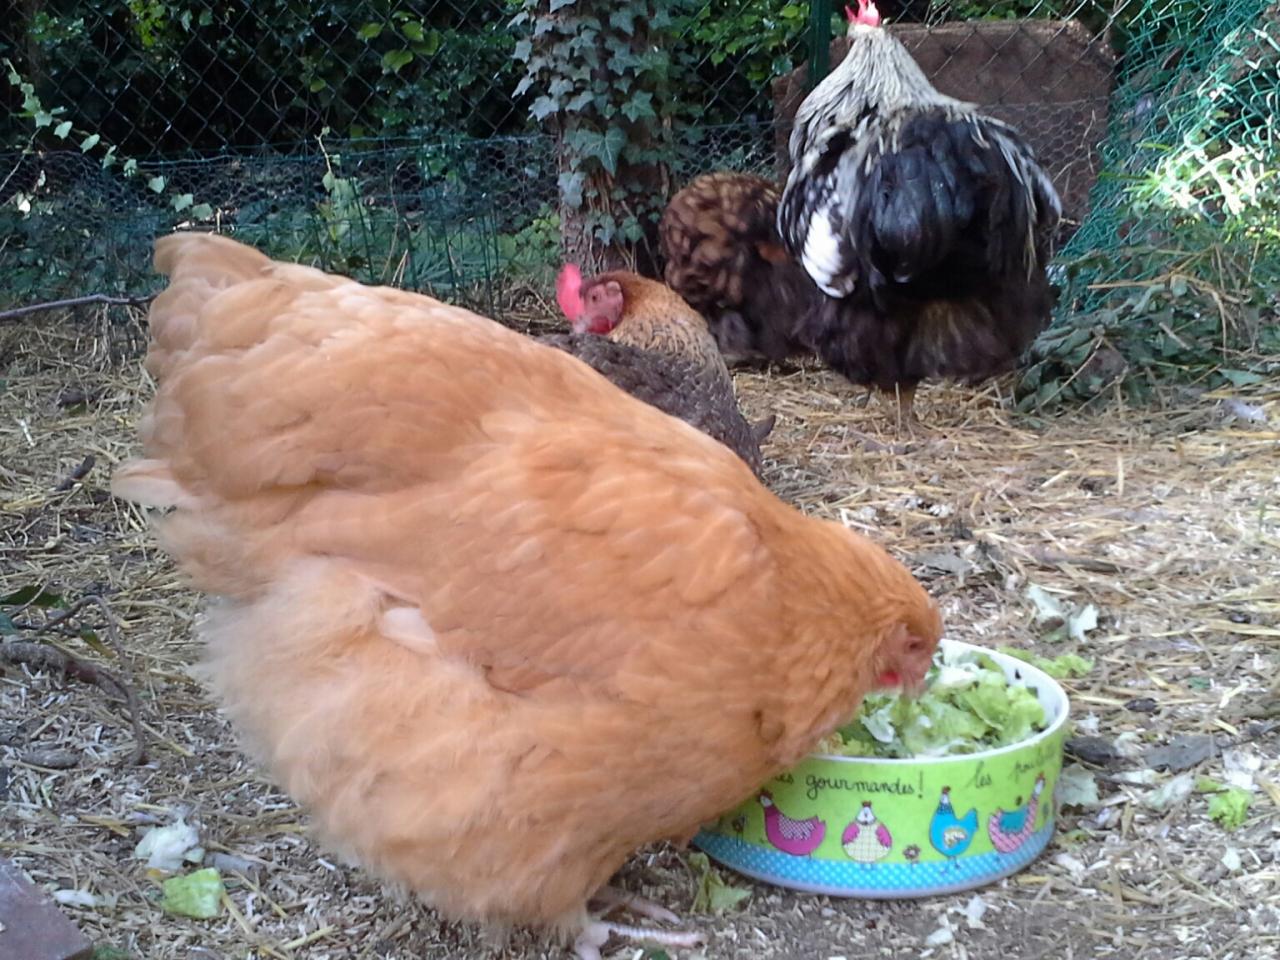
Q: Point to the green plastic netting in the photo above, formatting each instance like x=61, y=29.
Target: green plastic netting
x=1175, y=268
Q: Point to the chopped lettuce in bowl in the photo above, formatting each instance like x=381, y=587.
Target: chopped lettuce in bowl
x=968, y=705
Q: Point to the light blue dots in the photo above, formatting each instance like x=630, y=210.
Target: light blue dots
x=875, y=880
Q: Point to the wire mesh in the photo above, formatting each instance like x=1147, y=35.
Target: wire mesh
x=392, y=140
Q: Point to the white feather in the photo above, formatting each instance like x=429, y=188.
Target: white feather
x=821, y=256
x=409, y=628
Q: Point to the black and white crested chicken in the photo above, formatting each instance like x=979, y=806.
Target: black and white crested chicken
x=926, y=223
x=722, y=253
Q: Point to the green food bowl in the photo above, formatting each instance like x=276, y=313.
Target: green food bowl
x=896, y=828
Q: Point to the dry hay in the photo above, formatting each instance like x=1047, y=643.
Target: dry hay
x=1166, y=521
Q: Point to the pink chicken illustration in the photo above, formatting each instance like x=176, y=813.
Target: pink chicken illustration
x=1010, y=829
x=866, y=839
x=796, y=837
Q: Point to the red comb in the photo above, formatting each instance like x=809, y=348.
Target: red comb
x=867, y=13
x=569, y=291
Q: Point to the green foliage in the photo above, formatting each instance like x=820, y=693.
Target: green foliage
x=381, y=68
x=1170, y=277
x=40, y=240
x=1174, y=329
x=351, y=229
x=736, y=50
x=600, y=73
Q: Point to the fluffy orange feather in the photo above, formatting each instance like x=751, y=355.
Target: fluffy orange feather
x=493, y=621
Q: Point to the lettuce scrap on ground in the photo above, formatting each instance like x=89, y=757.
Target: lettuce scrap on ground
x=1229, y=806
x=968, y=705
x=197, y=894
x=713, y=894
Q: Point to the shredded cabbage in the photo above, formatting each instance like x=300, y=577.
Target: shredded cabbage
x=967, y=706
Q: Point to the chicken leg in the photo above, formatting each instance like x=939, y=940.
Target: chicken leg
x=906, y=422
x=597, y=931
x=609, y=899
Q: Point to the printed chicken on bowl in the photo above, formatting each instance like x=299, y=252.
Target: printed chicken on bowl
x=915, y=826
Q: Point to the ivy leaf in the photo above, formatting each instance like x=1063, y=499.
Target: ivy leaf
x=623, y=20
x=317, y=84
x=395, y=60
x=183, y=201
x=202, y=211
x=641, y=105
x=413, y=31
x=543, y=107
x=62, y=130
x=571, y=187
x=578, y=102
x=156, y=184
x=523, y=50
x=561, y=4
x=605, y=147
x=130, y=167
x=43, y=118
x=89, y=142
x=615, y=140
x=369, y=31
x=525, y=83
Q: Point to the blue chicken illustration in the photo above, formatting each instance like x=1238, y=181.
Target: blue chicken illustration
x=950, y=835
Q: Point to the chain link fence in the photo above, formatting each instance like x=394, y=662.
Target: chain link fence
x=394, y=140
x=388, y=140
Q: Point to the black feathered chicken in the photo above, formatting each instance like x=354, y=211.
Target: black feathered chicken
x=927, y=224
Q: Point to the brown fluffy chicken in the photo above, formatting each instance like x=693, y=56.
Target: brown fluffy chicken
x=722, y=251
x=644, y=338
x=494, y=621
x=926, y=223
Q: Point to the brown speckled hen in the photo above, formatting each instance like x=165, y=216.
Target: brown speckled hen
x=723, y=254
x=644, y=338
x=496, y=623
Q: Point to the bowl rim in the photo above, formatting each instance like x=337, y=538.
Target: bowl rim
x=1033, y=675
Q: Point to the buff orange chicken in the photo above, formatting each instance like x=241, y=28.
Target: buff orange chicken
x=494, y=622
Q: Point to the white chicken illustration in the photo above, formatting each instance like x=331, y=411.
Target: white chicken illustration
x=866, y=839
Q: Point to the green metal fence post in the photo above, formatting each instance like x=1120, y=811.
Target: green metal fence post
x=819, y=39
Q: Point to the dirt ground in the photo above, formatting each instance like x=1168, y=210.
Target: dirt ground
x=1167, y=521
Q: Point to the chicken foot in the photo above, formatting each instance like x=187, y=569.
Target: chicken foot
x=607, y=900
x=596, y=933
